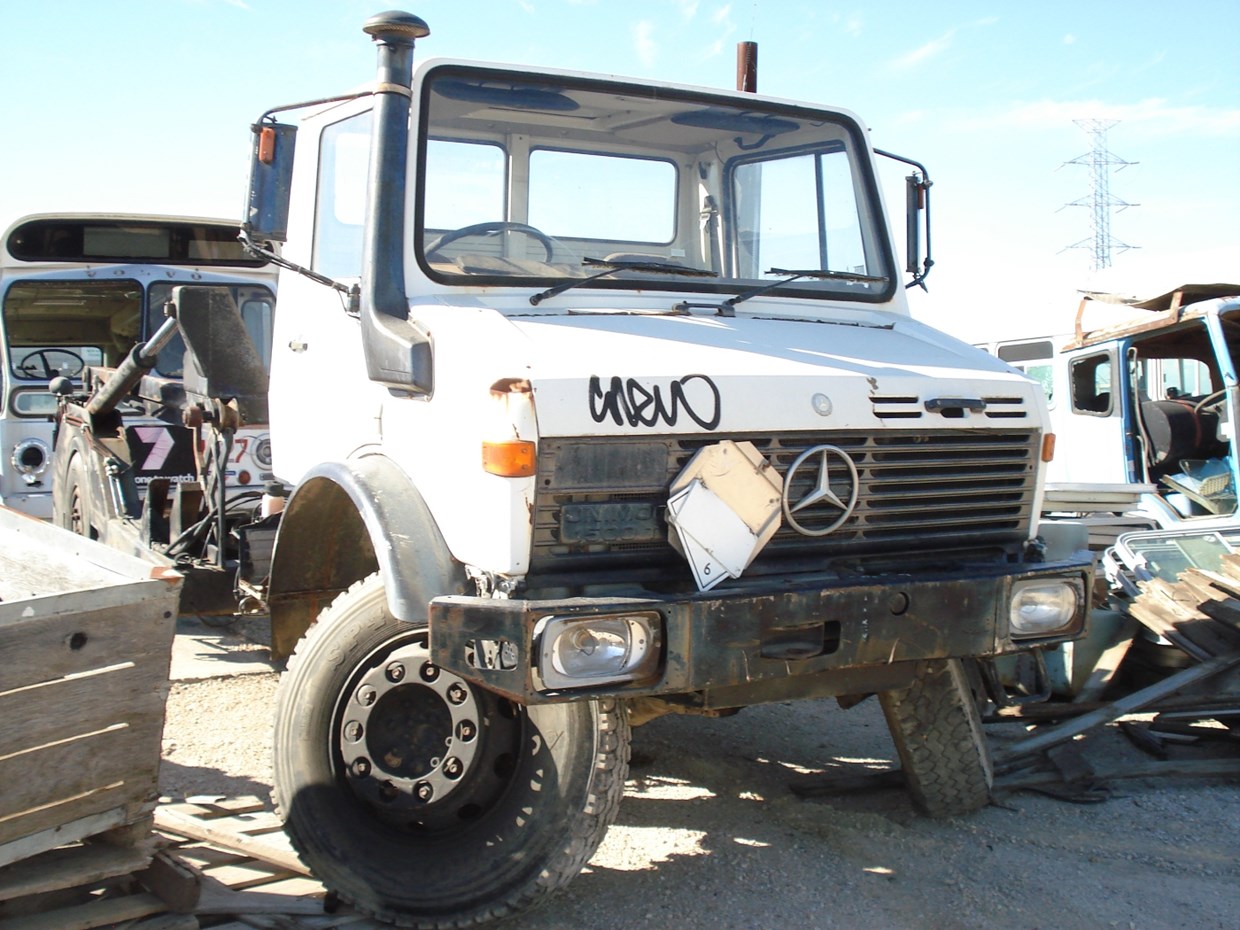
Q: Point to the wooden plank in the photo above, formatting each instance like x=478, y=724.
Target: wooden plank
x=30, y=534
x=1108, y=663
x=62, y=832
x=218, y=899
x=222, y=806
x=177, y=884
x=73, y=779
x=171, y=821
x=250, y=873
x=42, y=647
x=69, y=707
x=69, y=867
x=99, y=913
x=110, y=807
x=1053, y=736
x=166, y=922
x=1183, y=768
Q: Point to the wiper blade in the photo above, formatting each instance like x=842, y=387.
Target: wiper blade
x=790, y=275
x=610, y=267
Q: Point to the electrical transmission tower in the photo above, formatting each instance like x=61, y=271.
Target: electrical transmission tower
x=1100, y=161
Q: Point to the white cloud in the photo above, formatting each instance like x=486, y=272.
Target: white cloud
x=688, y=8
x=1069, y=39
x=720, y=15
x=643, y=42
x=1155, y=115
x=925, y=52
x=936, y=47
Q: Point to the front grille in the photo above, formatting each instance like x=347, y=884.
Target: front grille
x=919, y=494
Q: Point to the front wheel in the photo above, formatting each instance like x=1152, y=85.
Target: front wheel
x=425, y=800
x=938, y=734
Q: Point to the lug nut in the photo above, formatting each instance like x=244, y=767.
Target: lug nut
x=423, y=791
x=456, y=694
x=352, y=731
x=429, y=672
x=361, y=767
x=366, y=695
x=453, y=768
x=395, y=672
x=466, y=730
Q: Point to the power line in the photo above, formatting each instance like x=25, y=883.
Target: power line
x=1100, y=202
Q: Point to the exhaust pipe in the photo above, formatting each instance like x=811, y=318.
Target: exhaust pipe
x=398, y=353
x=747, y=67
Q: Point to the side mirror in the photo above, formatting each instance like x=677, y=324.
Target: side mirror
x=271, y=176
x=916, y=217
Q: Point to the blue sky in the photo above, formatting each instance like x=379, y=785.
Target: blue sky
x=144, y=105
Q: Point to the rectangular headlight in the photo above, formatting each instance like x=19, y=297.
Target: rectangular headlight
x=584, y=652
x=1042, y=607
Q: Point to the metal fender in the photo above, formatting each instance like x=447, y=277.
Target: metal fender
x=343, y=522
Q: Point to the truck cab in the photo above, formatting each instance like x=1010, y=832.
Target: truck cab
x=1145, y=409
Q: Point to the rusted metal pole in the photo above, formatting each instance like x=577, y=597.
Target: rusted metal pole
x=747, y=67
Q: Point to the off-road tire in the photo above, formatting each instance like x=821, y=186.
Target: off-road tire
x=938, y=734
x=531, y=822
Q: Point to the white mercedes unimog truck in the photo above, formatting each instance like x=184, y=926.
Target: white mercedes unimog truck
x=599, y=399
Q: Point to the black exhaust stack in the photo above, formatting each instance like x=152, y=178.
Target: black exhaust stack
x=398, y=353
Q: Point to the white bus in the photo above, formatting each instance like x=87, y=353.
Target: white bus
x=78, y=292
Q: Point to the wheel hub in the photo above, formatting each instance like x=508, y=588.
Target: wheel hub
x=408, y=732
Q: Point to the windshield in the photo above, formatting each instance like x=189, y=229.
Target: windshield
x=533, y=181
x=59, y=327
x=257, y=307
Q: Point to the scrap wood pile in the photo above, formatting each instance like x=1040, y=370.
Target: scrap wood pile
x=1200, y=615
x=222, y=864
x=1194, y=730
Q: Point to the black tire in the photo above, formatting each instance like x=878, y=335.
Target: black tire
x=938, y=734
x=71, y=508
x=407, y=830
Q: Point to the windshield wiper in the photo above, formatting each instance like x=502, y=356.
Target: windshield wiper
x=790, y=275
x=610, y=267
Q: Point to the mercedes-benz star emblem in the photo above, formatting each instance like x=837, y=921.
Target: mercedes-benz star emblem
x=823, y=500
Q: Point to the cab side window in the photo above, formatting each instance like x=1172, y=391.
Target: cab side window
x=1091, y=385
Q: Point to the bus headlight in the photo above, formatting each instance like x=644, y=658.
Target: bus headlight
x=30, y=459
x=582, y=652
x=1042, y=607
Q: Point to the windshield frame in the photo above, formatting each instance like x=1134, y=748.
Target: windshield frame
x=841, y=133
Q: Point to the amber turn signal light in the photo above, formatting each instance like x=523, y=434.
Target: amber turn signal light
x=1048, y=447
x=266, y=145
x=514, y=459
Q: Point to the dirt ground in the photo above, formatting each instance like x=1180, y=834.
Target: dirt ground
x=711, y=836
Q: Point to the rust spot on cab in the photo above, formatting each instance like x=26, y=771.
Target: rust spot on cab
x=511, y=386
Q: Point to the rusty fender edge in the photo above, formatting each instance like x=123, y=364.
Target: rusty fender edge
x=760, y=631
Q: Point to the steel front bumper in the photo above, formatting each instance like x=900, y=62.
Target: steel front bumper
x=860, y=629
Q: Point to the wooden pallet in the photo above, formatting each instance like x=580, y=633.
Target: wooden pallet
x=224, y=864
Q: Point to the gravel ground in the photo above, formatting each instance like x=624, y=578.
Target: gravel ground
x=710, y=836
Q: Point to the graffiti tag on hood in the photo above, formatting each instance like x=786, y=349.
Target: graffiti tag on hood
x=627, y=400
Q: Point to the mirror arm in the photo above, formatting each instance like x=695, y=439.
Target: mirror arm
x=918, y=186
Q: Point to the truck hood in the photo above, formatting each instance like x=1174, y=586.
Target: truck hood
x=614, y=374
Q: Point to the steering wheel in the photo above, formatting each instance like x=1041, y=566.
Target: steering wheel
x=1208, y=400
x=490, y=229
x=44, y=357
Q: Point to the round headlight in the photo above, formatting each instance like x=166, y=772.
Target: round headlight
x=31, y=458
x=262, y=452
